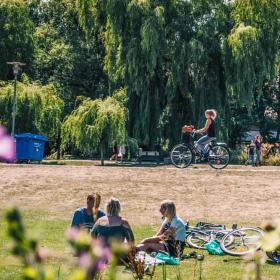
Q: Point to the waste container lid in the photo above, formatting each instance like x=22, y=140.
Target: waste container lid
x=31, y=136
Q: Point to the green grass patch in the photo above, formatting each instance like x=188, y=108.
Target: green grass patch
x=51, y=234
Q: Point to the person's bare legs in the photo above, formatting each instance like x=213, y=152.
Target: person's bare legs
x=154, y=239
x=150, y=247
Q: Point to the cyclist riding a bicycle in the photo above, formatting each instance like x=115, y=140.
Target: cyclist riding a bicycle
x=216, y=154
x=209, y=128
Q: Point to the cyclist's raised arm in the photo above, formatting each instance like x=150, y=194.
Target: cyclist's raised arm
x=205, y=128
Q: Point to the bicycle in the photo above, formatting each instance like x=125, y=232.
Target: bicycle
x=234, y=242
x=217, y=154
x=197, y=237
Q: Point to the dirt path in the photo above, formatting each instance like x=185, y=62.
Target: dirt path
x=232, y=195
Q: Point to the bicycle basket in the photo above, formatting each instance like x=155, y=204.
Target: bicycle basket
x=187, y=128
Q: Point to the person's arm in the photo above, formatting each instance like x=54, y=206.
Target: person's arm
x=205, y=128
x=168, y=233
x=161, y=229
x=129, y=233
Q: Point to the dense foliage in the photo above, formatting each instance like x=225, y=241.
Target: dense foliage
x=174, y=58
x=178, y=58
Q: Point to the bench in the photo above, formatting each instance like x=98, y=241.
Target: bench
x=148, y=156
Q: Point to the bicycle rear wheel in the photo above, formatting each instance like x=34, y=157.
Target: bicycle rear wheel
x=219, y=157
x=245, y=241
x=181, y=156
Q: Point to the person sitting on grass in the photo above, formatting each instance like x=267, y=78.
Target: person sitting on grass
x=112, y=227
x=171, y=235
x=86, y=217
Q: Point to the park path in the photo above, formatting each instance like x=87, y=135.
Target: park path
x=236, y=194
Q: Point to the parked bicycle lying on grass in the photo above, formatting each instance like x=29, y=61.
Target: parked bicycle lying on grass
x=234, y=241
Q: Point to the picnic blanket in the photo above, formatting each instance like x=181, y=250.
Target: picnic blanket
x=148, y=259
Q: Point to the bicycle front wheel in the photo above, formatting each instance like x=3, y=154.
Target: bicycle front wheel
x=181, y=156
x=198, y=239
x=245, y=241
x=219, y=157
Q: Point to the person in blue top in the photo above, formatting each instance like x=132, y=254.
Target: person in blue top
x=171, y=235
x=86, y=217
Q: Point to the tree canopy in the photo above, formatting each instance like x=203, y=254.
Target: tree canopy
x=174, y=59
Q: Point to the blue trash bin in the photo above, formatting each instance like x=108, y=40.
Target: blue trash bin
x=30, y=147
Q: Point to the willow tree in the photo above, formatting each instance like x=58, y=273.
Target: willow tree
x=178, y=57
x=39, y=109
x=165, y=54
x=250, y=52
x=96, y=124
x=144, y=54
x=253, y=44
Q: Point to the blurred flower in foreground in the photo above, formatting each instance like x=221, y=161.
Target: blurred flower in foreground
x=92, y=255
x=271, y=239
x=7, y=146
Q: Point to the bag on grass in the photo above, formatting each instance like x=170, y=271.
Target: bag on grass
x=214, y=248
x=167, y=259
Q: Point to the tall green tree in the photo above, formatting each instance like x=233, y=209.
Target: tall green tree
x=63, y=55
x=16, y=36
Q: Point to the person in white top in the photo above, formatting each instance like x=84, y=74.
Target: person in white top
x=171, y=235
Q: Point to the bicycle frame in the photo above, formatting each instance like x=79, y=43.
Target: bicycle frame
x=195, y=151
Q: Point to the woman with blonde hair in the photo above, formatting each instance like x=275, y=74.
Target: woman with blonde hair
x=171, y=235
x=210, y=130
x=112, y=227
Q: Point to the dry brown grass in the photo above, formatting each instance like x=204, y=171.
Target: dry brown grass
x=236, y=194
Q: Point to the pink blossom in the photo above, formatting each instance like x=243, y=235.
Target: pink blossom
x=7, y=146
x=85, y=260
x=72, y=233
x=42, y=254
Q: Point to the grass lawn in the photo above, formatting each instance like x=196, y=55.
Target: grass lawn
x=51, y=233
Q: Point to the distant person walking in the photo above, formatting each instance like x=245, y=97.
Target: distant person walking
x=258, y=143
x=251, y=150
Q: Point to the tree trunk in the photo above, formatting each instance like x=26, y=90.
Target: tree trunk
x=58, y=145
x=102, y=154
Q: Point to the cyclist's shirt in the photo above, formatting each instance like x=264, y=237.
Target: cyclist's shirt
x=211, y=129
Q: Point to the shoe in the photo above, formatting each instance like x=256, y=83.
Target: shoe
x=191, y=255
